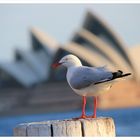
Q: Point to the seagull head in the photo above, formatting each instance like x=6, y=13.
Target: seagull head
x=68, y=61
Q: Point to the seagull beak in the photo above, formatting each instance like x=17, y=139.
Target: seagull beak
x=55, y=65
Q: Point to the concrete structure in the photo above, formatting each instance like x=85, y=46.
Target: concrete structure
x=20, y=72
x=134, y=55
x=89, y=40
x=31, y=67
x=100, y=28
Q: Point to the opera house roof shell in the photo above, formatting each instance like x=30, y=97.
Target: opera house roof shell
x=95, y=43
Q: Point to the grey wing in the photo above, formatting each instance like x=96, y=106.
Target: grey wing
x=85, y=76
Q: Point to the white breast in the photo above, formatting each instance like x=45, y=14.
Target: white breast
x=69, y=74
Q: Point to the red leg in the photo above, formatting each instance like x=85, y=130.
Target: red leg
x=95, y=107
x=83, y=108
x=83, y=116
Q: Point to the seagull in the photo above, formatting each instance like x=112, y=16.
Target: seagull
x=88, y=81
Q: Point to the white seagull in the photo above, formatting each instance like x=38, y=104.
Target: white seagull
x=88, y=81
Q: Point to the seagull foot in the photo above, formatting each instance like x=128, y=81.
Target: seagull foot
x=81, y=117
x=91, y=117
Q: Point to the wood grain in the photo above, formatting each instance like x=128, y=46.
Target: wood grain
x=68, y=128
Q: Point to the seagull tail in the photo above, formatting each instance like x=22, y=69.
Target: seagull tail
x=119, y=74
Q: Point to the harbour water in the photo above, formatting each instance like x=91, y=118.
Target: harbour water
x=127, y=121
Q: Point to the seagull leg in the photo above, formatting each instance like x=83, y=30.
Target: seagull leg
x=95, y=107
x=83, y=116
x=83, y=108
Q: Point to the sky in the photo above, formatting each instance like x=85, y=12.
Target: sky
x=61, y=21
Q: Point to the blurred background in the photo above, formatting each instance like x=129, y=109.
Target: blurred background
x=34, y=36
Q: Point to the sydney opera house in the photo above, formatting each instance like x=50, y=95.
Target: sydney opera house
x=29, y=84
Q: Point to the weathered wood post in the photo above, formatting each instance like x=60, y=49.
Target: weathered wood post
x=60, y=128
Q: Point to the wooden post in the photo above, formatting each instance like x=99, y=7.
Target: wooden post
x=64, y=128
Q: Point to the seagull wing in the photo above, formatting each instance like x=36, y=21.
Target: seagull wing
x=84, y=76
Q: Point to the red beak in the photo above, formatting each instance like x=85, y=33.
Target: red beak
x=55, y=65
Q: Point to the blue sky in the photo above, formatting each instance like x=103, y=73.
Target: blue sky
x=61, y=21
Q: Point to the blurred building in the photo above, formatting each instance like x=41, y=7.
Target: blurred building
x=30, y=67
x=33, y=86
